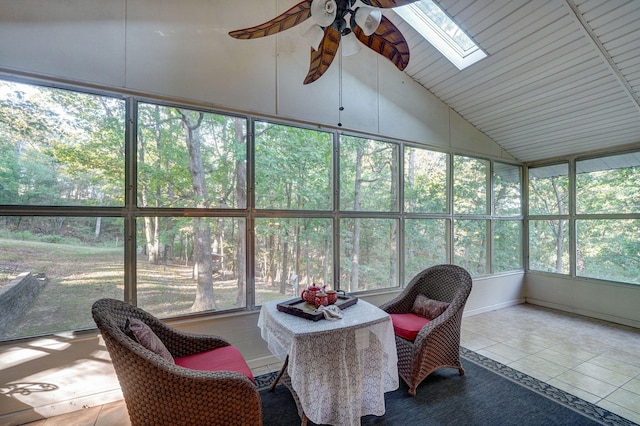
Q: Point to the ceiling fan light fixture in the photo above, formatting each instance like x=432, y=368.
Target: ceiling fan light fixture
x=324, y=12
x=350, y=44
x=368, y=18
x=314, y=36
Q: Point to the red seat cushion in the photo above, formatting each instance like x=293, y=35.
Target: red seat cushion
x=407, y=326
x=227, y=358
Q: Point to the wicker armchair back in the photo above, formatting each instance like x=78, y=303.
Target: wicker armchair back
x=158, y=392
x=438, y=342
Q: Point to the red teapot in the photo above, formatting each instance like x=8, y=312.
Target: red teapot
x=309, y=294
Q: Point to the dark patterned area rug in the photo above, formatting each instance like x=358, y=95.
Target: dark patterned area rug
x=489, y=393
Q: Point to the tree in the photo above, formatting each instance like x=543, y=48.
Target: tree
x=241, y=195
x=205, y=298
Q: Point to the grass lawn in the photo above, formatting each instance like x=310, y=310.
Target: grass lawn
x=79, y=275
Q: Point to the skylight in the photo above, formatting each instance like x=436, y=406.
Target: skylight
x=439, y=30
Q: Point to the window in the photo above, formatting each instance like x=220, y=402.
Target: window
x=290, y=254
x=369, y=182
x=60, y=148
x=507, y=245
x=507, y=203
x=608, y=184
x=609, y=249
x=368, y=255
x=549, y=236
x=368, y=175
x=425, y=202
x=470, y=241
x=205, y=211
x=470, y=186
x=549, y=245
x=442, y=32
x=190, y=264
x=52, y=268
x=293, y=168
x=190, y=159
x=425, y=181
x=507, y=193
x=549, y=190
x=471, y=198
x=607, y=222
x=425, y=244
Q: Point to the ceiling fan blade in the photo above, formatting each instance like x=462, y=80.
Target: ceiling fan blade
x=388, y=41
x=292, y=17
x=387, y=4
x=321, y=59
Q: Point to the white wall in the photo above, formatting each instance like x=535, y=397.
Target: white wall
x=613, y=302
x=181, y=50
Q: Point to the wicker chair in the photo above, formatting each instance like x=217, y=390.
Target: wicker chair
x=159, y=392
x=437, y=343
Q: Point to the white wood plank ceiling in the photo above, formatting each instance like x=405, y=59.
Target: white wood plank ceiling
x=562, y=76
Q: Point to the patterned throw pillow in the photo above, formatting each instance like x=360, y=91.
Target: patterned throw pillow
x=428, y=308
x=147, y=338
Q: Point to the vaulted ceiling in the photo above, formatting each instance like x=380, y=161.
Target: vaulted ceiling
x=562, y=76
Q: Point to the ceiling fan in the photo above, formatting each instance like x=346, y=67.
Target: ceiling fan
x=336, y=20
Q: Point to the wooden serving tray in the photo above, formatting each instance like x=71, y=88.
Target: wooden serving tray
x=302, y=309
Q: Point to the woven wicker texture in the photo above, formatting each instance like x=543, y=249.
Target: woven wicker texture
x=158, y=392
x=438, y=342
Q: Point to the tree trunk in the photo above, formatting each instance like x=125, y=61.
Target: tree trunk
x=285, y=269
x=205, y=298
x=241, y=195
x=560, y=230
x=96, y=234
x=149, y=231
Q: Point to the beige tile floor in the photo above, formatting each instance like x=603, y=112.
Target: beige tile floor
x=594, y=360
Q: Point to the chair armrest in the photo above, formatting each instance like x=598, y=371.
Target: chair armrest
x=439, y=328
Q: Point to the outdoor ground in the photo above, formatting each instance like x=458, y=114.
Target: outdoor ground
x=78, y=275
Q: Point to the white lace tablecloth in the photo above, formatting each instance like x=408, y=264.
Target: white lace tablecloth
x=340, y=369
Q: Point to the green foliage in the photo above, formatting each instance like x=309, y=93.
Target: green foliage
x=425, y=244
x=61, y=148
x=293, y=168
x=604, y=253
x=470, y=190
x=507, y=245
x=368, y=175
x=608, y=191
x=470, y=245
x=549, y=246
x=425, y=181
x=549, y=190
x=507, y=190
